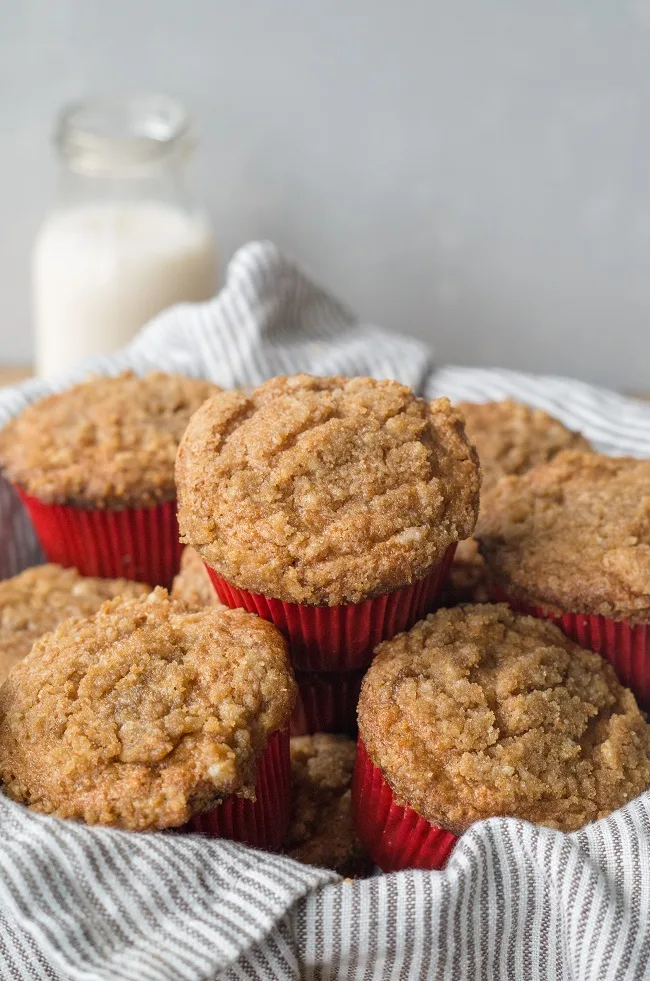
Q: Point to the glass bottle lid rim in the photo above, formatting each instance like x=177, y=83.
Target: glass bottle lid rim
x=123, y=134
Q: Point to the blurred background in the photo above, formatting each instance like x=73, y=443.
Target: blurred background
x=476, y=174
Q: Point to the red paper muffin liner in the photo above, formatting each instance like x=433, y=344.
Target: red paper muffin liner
x=395, y=837
x=326, y=703
x=132, y=543
x=263, y=822
x=340, y=638
x=625, y=645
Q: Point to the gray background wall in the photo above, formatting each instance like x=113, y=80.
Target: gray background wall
x=476, y=172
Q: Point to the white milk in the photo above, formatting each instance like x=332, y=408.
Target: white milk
x=101, y=271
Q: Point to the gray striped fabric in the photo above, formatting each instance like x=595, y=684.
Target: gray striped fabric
x=515, y=901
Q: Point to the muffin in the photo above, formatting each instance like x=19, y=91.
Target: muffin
x=37, y=600
x=480, y=712
x=145, y=716
x=322, y=830
x=94, y=466
x=571, y=540
x=511, y=438
x=327, y=505
x=192, y=585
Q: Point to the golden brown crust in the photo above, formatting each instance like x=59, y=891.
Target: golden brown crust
x=325, y=490
x=38, y=599
x=193, y=585
x=511, y=438
x=106, y=443
x=479, y=712
x=322, y=829
x=573, y=535
x=143, y=714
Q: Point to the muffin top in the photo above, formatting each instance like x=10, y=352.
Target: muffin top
x=478, y=711
x=106, y=443
x=38, y=600
x=511, y=438
x=573, y=535
x=322, y=828
x=325, y=490
x=193, y=585
x=143, y=714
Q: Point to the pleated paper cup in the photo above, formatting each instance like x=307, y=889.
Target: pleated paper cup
x=129, y=543
x=625, y=645
x=394, y=835
x=340, y=638
x=263, y=822
x=326, y=703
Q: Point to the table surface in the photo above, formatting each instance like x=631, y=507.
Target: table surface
x=10, y=374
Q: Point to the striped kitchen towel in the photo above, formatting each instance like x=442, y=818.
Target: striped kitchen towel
x=515, y=901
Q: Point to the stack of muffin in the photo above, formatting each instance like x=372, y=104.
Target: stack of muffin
x=321, y=516
x=330, y=507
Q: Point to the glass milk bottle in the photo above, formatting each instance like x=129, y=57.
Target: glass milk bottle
x=123, y=240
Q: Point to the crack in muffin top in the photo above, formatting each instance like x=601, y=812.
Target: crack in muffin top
x=325, y=491
x=143, y=714
x=573, y=535
x=106, y=443
x=511, y=437
x=478, y=712
x=38, y=599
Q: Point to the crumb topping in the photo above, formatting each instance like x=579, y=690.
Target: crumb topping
x=511, y=438
x=106, y=443
x=478, y=712
x=325, y=490
x=143, y=714
x=38, y=599
x=573, y=535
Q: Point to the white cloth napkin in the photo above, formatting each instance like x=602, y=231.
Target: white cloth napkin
x=515, y=901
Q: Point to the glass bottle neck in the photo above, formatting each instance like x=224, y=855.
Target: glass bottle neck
x=124, y=150
x=165, y=184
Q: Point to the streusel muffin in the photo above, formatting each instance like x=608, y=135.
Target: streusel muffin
x=511, y=438
x=94, y=466
x=478, y=712
x=312, y=497
x=37, y=600
x=571, y=540
x=322, y=830
x=145, y=716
